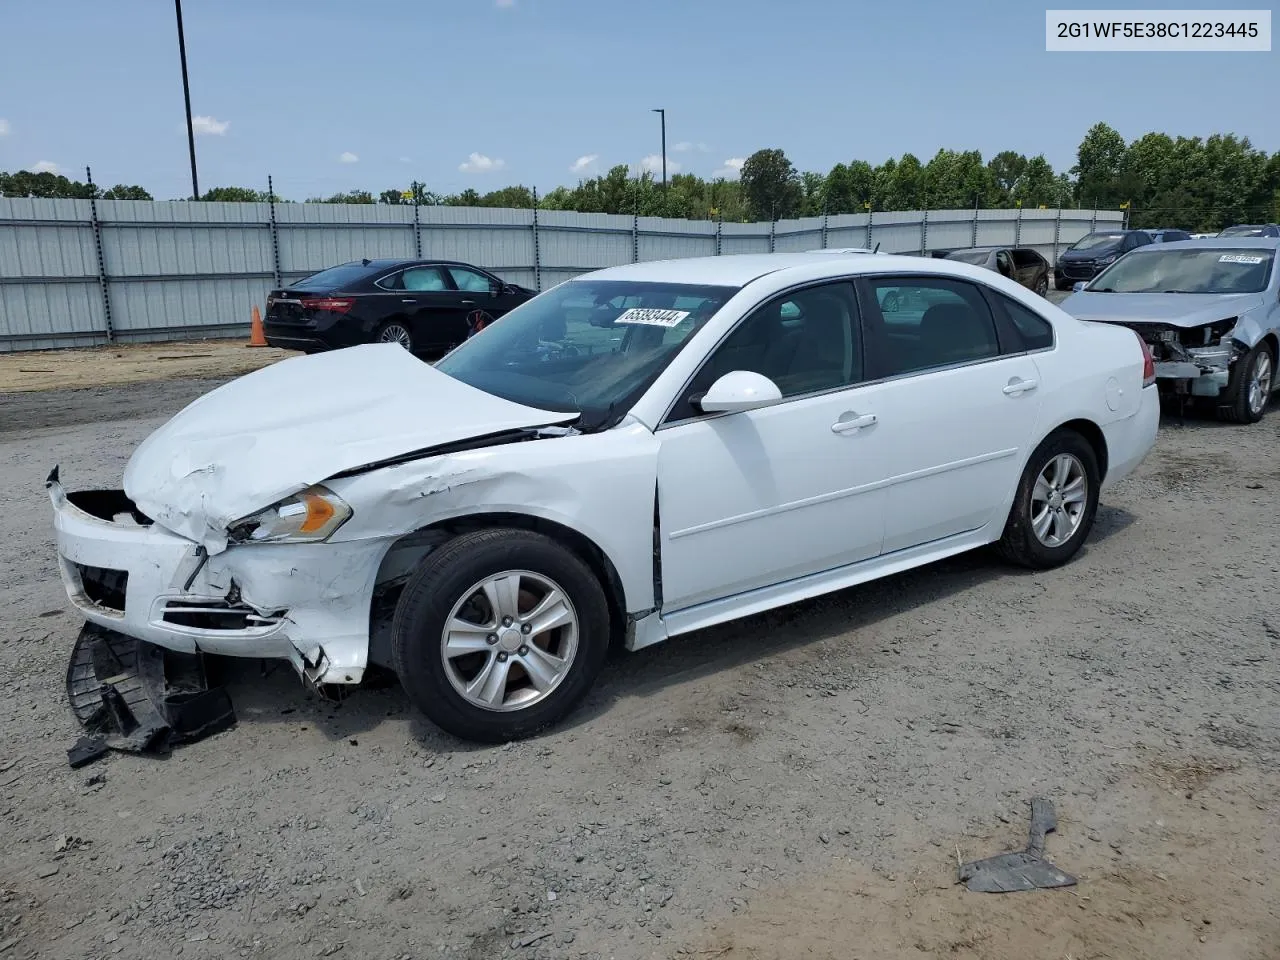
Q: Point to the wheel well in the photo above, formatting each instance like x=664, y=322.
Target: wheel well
x=1093, y=434
x=412, y=547
x=1273, y=344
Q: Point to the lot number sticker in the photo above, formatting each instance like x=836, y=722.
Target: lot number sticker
x=1238, y=258
x=652, y=318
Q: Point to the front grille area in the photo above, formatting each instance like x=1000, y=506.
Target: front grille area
x=103, y=586
x=1078, y=271
x=218, y=615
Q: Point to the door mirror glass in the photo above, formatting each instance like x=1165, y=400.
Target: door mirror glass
x=740, y=390
x=1077, y=286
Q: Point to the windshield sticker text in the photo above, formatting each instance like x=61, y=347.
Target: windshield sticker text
x=1238, y=258
x=651, y=317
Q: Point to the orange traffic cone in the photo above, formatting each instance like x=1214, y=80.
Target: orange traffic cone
x=256, y=337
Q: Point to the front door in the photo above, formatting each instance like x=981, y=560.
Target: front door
x=754, y=498
x=961, y=400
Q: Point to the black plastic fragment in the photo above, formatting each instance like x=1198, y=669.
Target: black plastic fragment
x=85, y=751
x=136, y=697
x=1025, y=870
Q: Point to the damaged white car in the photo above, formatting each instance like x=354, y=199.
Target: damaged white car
x=1210, y=311
x=632, y=455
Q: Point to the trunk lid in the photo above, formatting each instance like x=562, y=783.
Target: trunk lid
x=267, y=435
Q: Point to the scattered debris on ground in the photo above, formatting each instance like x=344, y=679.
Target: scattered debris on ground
x=1024, y=870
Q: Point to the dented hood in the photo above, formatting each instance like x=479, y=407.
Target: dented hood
x=1176, y=309
x=265, y=436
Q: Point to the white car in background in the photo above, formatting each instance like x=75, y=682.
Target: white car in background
x=746, y=432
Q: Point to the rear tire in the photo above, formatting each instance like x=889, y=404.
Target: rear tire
x=1055, y=504
x=1042, y=287
x=1249, y=387
x=460, y=644
x=395, y=331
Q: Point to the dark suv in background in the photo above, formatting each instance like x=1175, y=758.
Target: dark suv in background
x=1093, y=253
x=426, y=306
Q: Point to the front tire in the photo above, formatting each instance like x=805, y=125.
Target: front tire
x=499, y=634
x=1249, y=387
x=1054, y=507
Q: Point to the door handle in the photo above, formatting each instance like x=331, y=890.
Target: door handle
x=852, y=422
x=468, y=303
x=408, y=301
x=1016, y=387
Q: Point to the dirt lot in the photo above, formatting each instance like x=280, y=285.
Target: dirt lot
x=796, y=785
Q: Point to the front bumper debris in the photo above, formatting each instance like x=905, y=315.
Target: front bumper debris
x=135, y=697
x=1192, y=369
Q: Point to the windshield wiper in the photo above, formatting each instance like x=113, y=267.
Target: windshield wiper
x=1099, y=290
x=589, y=424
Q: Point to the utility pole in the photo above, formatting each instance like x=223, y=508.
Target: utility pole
x=662, y=114
x=186, y=93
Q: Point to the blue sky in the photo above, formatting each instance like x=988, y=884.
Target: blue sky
x=331, y=95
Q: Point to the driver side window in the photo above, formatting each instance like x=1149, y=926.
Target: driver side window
x=806, y=342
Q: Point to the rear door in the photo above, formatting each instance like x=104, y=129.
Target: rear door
x=959, y=400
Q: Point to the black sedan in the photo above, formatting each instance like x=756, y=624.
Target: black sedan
x=426, y=306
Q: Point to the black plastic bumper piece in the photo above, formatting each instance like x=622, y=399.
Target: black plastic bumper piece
x=136, y=697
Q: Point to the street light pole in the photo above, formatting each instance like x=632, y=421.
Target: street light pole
x=663, y=115
x=186, y=94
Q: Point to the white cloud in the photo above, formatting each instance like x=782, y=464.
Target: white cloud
x=585, y=163
x=44, y=166
x=653, y=164
x=685, y=146
x=732, y=167
x=209, y=125
x=405, y=160
x=348, y=157
x=504, y=4
x=4, y=127
x=479, y=163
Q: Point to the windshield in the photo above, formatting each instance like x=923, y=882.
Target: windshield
x=1095, y=240
x=1207, y=270
x=333, y=278
x=588, y=346
x=970, y=256
x=1241, y=231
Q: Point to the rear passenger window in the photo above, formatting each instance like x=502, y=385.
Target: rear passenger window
x=1035, y=330
x=928, y=322
x=423, y=278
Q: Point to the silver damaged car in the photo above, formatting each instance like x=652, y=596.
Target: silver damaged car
x=1210, y=311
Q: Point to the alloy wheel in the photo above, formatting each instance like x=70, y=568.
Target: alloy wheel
x=1058, y=500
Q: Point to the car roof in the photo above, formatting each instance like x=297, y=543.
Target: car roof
x=740, y=269
x=1209, y=243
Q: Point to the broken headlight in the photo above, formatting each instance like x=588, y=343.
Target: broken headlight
x=306, y=517
x=1209, y=346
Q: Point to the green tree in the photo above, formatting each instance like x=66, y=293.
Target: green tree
x=813, y=188
x=353, y=196
x=1037, y=186
x=1099, y=162
x=771, y=186
x=1007, y=170
x=24, y=183
x=236, y=195
x=122, y=192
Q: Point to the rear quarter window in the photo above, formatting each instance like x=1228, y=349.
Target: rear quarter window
x=1036, y=332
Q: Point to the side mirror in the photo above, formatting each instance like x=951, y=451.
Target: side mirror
x=497, y=289
x=1077, y=286
x=740, y=390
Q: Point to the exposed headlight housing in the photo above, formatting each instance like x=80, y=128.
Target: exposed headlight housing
x=307, y=517
x=1110, y=259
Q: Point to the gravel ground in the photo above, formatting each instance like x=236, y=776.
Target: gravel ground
x=798, y=784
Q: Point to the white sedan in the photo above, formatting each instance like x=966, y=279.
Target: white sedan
x=635, y=454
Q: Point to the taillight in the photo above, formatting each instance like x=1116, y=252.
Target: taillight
x=331, y=304
x=1148, y=363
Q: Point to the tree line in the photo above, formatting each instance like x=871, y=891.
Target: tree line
x=1187, y=182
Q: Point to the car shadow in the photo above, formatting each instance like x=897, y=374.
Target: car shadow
x=271, y=693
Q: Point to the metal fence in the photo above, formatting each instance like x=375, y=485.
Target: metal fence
x=77, y=273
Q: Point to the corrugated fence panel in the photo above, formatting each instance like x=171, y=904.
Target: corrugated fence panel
x=797, y=236
x=500, y=240
x=313, y=236
x=662, y=238
x=897, y=232
x=570, y=242
x=187, y=308
x=183, y=270
x=744, y=238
